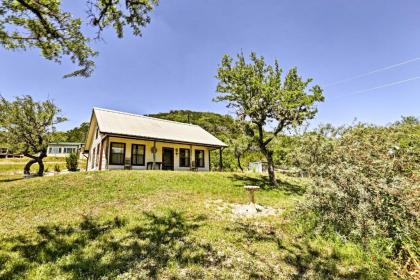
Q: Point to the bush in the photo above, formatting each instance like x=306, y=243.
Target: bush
x=366, y=186
x=72, y=162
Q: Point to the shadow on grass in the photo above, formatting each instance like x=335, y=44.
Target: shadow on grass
x=307, y=261
x=94, y=249
x=6, y=180
x=262, y=181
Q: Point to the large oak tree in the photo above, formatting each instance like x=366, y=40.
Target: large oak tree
x=261, y=98
x=43, y=24
x=28, y=126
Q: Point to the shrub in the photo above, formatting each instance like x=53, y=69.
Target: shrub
x=72, y=162
x=366, y=186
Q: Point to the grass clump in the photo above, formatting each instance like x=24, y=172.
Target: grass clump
x=57, y=168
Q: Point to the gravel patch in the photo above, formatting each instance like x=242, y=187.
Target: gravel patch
x=253, y=210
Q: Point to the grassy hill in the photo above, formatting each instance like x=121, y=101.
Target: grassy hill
x=164, y=225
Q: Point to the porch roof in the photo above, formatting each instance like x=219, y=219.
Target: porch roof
x=65, y=144
x=127, y=124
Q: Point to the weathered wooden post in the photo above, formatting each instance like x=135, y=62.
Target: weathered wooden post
x=252, y=190
x=154, y=155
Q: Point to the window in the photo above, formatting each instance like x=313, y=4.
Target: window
x=184, y=157
x=117, y=154
x=55, y=150
x=69, y=150
x=199, y=158
x=137, y=154
x=97, y=132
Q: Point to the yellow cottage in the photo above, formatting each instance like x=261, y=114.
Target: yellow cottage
x=118, y=140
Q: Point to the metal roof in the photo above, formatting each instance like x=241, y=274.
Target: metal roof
x=121, y=123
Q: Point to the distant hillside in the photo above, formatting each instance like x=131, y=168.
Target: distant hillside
x=77, y=134
x=222, y=126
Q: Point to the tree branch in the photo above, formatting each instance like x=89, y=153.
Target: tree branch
x=96, y=21
x=41, y=18
x=26, y=154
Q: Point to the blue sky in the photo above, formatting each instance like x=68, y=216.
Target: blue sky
x=173, y=65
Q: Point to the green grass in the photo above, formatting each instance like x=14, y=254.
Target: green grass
x=163, y=225
x=10, y=166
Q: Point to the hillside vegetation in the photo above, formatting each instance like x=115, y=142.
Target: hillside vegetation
x=220, y=125
x=165, y=225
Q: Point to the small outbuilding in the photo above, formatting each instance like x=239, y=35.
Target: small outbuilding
x=63, y=149
x=6, y=153
x=258, y=166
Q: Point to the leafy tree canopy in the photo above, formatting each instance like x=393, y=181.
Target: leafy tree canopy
x=28, y=127
x=222, y=126
x=43, y=24
x=261, y=97
x=77, y=134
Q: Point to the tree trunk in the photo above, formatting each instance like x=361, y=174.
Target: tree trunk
x=27, y=168
x=41, y=168
x=34, y=160
x=271, y=175
x=239, y=164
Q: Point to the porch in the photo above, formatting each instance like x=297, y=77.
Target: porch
x=116, y=153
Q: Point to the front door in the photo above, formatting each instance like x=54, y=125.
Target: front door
x=168, y=159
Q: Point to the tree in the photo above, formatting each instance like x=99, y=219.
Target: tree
x=28, y=126
x=240, y=144
x=44, y=25
x=58, y=136
x=78, y=134
x=260, y=97
x=283, y=146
